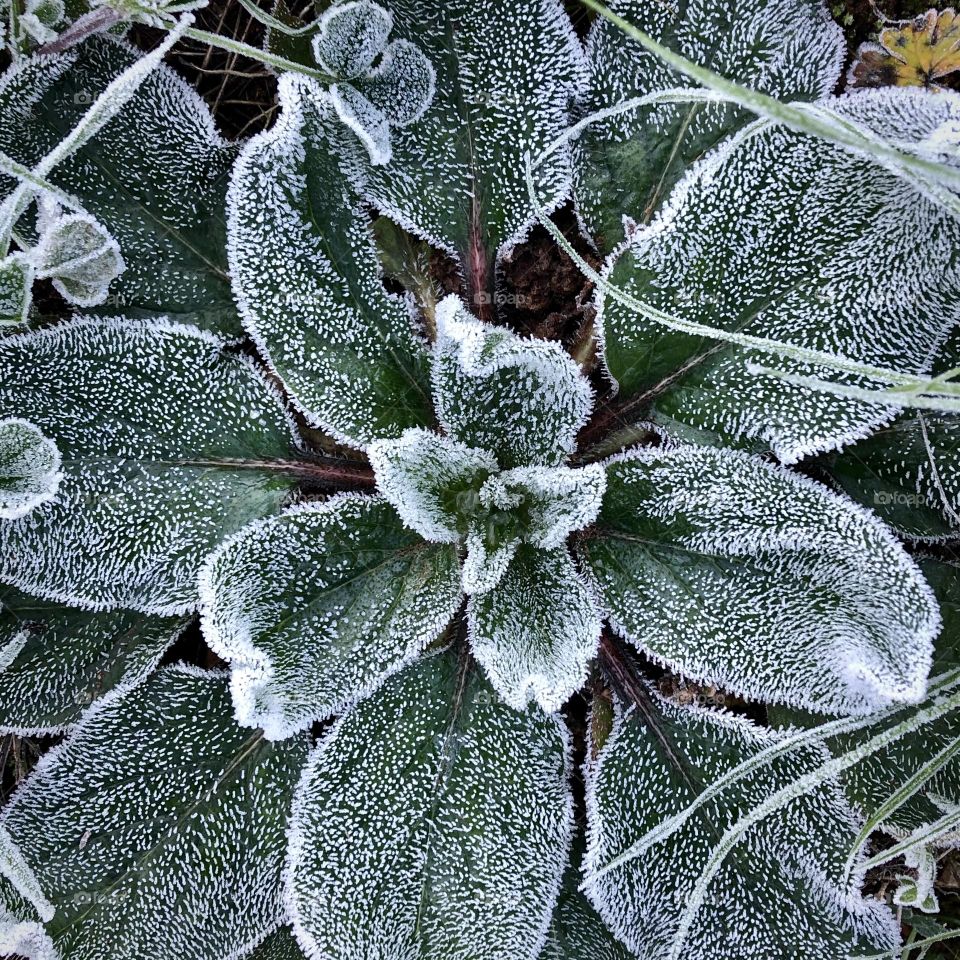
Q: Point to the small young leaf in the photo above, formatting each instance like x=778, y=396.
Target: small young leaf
x=779, y=893
x=155, y=176
x=536, y=632
x=167, y=444
x=832, y=253
x=506, y=72
x=626, y=165
x=157, y=829
x=80, y=256
x=316, y=607
x=16, y=281
x=350, y=36
x=278, y=946
x=739, y=573
x=55, y=661
x=523, y=400
x=309, y=284
x=461, y=856
x=431, y=481
x=29, y=468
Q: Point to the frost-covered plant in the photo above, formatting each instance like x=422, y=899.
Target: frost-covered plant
x=423, y=541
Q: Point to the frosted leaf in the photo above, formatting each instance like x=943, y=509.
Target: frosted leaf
x=739, y=573
x=350, y=36
x=626, y=165
x=16, y=281
x=462, y=856
x=39, y=17
x=316, y=607
x=777, y=895
x=29, y=468
x=872, y=781
x=555, y=501
x=831, y=253
x=81, y=258
x=397, y=90
x=576, y=931
x=157, y=828
x=167, y=443
x=308, y=280
x=523, y=400
x=154, y=177
x=536, y=633
x=506, y=72
x=486, y=562
x=21, y=930
x=431, y=481
x=55, y=661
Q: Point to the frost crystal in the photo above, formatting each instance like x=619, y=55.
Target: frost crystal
x=779, y=888
x=159, y=799
x=524, y=400
x=140, y=504
x=16, y=280
x=79, y=255
x=372, y=97
x=309, y=284
x=863, y=266
x=626, y=165
x=316, y=607
x=29, y=468
x=462, y=856
x=742, y=574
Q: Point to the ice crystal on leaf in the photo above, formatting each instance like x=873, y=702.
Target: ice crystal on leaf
x=740, y=573
x=159, y=797
x=140, y=504
x=371, y=97
x=29, y=468
x=826, y=255
x=781, y=893
x=16, y=279
x=626, y=164
x=462, y=856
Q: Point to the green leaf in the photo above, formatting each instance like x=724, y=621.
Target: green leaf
x=155, y=176
x=524, y=400
x=431, y=822
x=576, y=930
x=777, y=895
x=872, y=781
x=157, y=829
x=536, y=631
x=627, y=164
x=169, y=445
x=831, y=253
x=278, y=946
x=315, y=608
x=309, y=283
x=506, y=73
x=740, y=573
x=55, y=661
x=29, y=468
x=16, y=282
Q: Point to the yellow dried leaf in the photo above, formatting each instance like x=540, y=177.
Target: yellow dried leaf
x=912, y=53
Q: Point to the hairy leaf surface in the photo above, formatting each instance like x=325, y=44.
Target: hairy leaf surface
x=316, y=607
x=739, y=573
x=55, y=660
x=310, y=288
x=462, y=856
x=831, y=253
x=159, y=799
x=524, y=400
x=627, y=164
x=167, y=443
x=507, y=71
x=536, y=631
x=155, y=176
x=777, y=895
